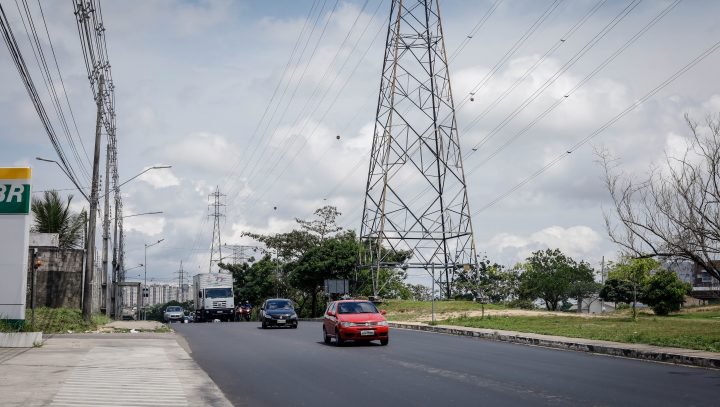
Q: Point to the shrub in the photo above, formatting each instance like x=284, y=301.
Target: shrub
x=665, y=292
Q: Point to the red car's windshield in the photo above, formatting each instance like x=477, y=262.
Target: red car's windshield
x=364, y=307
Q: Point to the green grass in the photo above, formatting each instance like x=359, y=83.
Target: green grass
x=399, y=310
x=57, y=320
x=685, y=330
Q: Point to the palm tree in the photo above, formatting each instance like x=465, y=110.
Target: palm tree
x=52, y=215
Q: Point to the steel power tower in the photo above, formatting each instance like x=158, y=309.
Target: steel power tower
x=416, y=197
x=215, y=209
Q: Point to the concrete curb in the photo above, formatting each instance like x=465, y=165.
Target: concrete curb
x=677, y=356
x=20, y=339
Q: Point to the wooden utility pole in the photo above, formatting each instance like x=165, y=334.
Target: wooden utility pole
x=90, y=243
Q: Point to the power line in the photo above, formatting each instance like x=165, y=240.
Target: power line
x=258, y=162
x=605, y=126
x=268, y=186
x=27, y=80
x=594, y=72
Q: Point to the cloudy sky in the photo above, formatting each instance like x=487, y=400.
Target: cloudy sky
x=195, y=82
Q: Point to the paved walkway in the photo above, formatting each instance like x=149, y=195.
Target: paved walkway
x=145, y=369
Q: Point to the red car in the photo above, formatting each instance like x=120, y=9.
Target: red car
x=354, y=320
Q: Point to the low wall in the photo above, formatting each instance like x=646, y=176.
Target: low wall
x=58, y=281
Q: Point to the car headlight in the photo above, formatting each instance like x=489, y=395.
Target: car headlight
x=346, y=324
x=382, y=323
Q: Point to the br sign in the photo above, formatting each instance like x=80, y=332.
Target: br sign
x=14, y=235
x=15, y=198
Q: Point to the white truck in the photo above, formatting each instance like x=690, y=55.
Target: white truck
x=213, y=297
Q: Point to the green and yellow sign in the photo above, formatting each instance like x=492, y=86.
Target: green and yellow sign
x=14, y=236
x=15, y=191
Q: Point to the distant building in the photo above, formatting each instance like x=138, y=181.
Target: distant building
x=704, y=286
x=156, y=294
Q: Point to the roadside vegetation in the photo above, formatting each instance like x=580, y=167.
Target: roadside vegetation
x=399, y=310
x=56, y=320
x=691, y=328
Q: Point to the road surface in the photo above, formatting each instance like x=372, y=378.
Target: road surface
x=293, y=367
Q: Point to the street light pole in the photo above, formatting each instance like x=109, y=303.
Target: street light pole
x=145, y=283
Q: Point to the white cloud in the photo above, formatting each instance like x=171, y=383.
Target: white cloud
x=199, y=151
x=147, y=225
x=575, y=241
x=160, y=178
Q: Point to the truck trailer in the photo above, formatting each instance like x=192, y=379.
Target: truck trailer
x=213, y=297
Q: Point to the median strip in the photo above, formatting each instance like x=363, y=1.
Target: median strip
x=678, y=356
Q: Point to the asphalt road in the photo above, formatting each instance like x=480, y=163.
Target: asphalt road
x=293, y=367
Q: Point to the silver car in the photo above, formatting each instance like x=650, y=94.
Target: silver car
x=174, y=314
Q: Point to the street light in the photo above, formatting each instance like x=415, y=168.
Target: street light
x=140, y=214
x=66, y=174
x=154, y=167
x=145, y=265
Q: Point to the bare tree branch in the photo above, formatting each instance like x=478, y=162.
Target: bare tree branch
x=675, y=211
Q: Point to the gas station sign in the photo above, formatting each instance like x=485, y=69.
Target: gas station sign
x=14, y=236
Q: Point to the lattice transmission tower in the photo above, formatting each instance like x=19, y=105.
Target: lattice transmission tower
x=416, y=197
x=216, y=212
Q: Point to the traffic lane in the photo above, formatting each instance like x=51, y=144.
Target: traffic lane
x=593, y=379
x=294, y=367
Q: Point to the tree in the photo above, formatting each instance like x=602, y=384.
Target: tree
x=254, y=282
x=52, y=215
x=582, y=284
x=665, y=292
x=617, y=290
x=325, y=225
x=553, y=277
x=675, y=211
x=483, y=283
x=635, y=272
x=419, y=292
x=333, y=258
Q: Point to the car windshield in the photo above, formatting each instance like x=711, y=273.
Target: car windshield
x=279, y=305
x=364, y=307
x=218, y=293
x=174, y=309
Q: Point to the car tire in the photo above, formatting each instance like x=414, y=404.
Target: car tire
x=264, y=325
x=326, y=338
x=338, y=340
x=295, y=326
x=384, y=342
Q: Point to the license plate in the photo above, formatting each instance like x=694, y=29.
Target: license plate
x=281, y=321
x=367, y=333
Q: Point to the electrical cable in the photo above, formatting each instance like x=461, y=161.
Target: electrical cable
x=604, y=127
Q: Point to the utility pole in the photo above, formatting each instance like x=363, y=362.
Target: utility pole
x=216, y=213
x=602, y=281
x=106, y=234
x=181, y=278
x=92, y=213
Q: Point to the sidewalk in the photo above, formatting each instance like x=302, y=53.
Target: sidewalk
x=123, y=369
x=678, y=356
